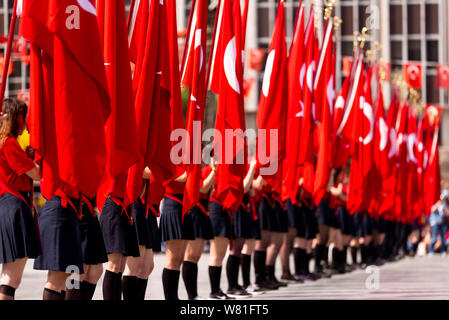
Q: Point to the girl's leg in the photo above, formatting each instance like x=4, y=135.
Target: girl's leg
x=218, y=247
x=133, y=267
x=192, y=255
x=175, y=251
x=112, y=282
x=285, y=252
x=233, y=263
x=11, y=277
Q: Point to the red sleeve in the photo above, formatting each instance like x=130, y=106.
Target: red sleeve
x=205, y=171
x=17, y=159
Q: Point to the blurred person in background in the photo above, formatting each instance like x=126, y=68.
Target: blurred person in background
x=439, y=222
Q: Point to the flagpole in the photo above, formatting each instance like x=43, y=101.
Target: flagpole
x=8, y=53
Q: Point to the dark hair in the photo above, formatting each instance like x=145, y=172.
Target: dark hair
x=337, y=172
x=9, y=126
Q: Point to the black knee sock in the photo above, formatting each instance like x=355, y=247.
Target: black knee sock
x=270, y=272
x=190, y=277
x=344, y=255
x=297, y=254
x=214, y=278
x=245, y=262
x=319, y=253
x=232, y=271
x=7, y=291
x=364, y=253
x=354, y=255
x=129, y=287
x=141, y=285
x=326, y=255
x=112, y=286
x=52, y=295
x=259, y=265
x=88, y=289
x=307, y=258
x=170, y=281
x=76, y=293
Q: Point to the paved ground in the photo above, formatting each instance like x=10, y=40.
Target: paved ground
x=410, y=278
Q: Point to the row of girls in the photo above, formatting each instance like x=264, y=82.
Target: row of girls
x=261, y=228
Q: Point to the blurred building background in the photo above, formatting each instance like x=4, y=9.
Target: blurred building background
x=408, y=30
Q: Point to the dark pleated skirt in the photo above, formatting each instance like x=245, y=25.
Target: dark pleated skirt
x=380, y=225
x=266, y=216
x=242, y=223
x=255, y=226
x=172, y=226
x=220, y=221
x=301, y=229
x=281, y=218
x=143, y=230
x=345, y=222
x=19, y=236
x=202, y=227
x=312, y=224
x=61, y=238
x=155, y=231
x=359, y=231
x=324, y=214
x=92, y=242
x=118, y=233
x=293, y=214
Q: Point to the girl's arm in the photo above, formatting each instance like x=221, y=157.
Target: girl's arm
x=249, y=177
x=147, y=173
x=34, y=173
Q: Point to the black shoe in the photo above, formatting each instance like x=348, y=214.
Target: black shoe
x=267, y=285
x=238, y=293
x=319, y=271
x=279, y=283
x=292, y=278
x=220, y=295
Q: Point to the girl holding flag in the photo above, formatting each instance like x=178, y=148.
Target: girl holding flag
x=19, y=237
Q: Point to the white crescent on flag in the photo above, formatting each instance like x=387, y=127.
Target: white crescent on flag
x=368, y=113
x=413, y=72
x=411, y=140
x=383, y=130
x=268, y=71
x=86, y=5
x=229, y=61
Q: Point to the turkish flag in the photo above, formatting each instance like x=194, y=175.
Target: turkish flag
x=347, y=66
x=273, y=102
x=389, y=182
x=120, y=128
x=194, y=76
x=340, y=145
x=295, y=111
x=413, y=75
x=348, y=127
x=227, y=82
x=442, y=79
x=306, y=151
x=78, y=85
x=325, y=87
x=412, y=197
x=432, y=175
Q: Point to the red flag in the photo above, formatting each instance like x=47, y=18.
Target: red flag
x=325, y=87
x=195, y=66
x=340, y=145
x=412, y=167
x=432, y=175
x=442, y=79
x=272, y=111
x=389, y=182
x=346, y=68
x=227, y=82
x=307, y=127
x=256, y=57
x=120, y=128
x=295, y=63
x=413, y=75
x=79, y=80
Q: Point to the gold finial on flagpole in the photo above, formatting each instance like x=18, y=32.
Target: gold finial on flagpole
x=337, y=22
x=356, y=41
x=362, y=37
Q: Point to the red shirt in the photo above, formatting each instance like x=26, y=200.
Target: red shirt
x=14, y=163
x=205, y=171
x=336, y=201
